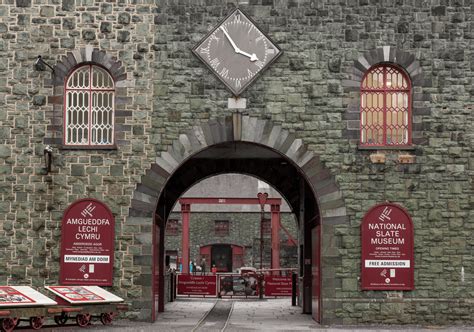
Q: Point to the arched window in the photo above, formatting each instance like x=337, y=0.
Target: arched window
x=89, y=107
x=385, y=107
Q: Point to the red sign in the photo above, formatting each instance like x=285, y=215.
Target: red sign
x=277, y=286
x=76, y=294
x=189, y=284
x=11, y=296
x=238, y=285
x=87, y=244
x=387, y=249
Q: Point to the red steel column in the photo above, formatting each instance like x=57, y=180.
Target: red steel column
x=275, y=236
x=185, y=214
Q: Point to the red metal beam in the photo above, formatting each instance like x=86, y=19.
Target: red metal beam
x=185, y=216
x=227, y=200
x=275, y=264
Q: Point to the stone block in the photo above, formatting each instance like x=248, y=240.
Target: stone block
x=5, y=151
x=88, y=34
x=77, y=170
x=438, y=10
x=377, y=158
x=68, y=5
x=123, y=18
x=123, y=36
x=39, y=100
x=116, y=170
x=406, y=159
x=24, y=19
x=47, y=11
x=105, y=27
x=23, y=3
x=403, y=27
x=106, y=8
x=351, y=35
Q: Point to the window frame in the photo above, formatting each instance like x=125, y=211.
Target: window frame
x=90, y=90
x=172, y=227
x=219, y=230
x=385, y=91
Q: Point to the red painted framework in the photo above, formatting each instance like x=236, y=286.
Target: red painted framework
x=186, y=215
x=384, y=91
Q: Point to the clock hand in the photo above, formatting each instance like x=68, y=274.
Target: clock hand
x=236, y=49
x=252, y=56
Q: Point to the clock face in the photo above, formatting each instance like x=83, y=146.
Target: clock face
x=237, y=51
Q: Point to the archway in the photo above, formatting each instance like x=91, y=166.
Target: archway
x=246, y=145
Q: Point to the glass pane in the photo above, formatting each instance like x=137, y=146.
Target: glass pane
x=79, y=79
x=102, y=79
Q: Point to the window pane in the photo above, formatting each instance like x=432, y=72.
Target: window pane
x=79, y=79
x=384, y=109
x=101, y=79
x=88, y=108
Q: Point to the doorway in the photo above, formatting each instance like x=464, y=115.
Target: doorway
x=221, y=257
x=260, y=148
x=262, y=163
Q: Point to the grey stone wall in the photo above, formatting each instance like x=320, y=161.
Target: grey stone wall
x=166, y=91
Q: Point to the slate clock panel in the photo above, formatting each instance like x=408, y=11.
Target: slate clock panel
x=237, y=51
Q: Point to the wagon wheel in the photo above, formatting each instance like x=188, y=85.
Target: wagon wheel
x=61, y=319
x=106, y=318
x=8, y=324
x=36, y=322
x=83, y=319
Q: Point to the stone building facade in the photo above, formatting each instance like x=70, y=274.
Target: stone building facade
x=306, y=107
x=242, y=221
x=244, y=231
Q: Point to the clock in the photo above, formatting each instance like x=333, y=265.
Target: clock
x=237, y=51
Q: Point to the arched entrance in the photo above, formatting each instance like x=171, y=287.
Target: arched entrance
x=246, y=145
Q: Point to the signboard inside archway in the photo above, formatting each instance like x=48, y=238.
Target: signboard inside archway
x=87, y=244
x=387, y=249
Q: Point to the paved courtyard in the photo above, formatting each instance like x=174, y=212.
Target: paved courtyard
x=188, y=314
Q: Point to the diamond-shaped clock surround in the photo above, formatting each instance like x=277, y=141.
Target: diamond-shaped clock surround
x=237, y=51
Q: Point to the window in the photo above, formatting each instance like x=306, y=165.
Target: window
x=221, y=227
x=385, y=107
x=172, y=227
x=89, y=107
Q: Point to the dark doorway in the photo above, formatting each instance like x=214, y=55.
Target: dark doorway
x=221, y=257
x=270, y=166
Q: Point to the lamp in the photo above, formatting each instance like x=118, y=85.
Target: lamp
x=48, y=158
x=40, y=63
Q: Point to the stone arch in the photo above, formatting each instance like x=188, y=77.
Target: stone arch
x=244, y=129
x=144, y=212
x=385, y=54
x=68, y=62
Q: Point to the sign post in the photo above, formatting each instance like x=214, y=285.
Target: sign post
x=87, y=244
x=387, y=249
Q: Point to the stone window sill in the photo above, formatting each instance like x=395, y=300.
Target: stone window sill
x=94, y=147
x=385, y=148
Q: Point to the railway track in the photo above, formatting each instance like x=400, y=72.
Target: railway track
x=217, y=318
